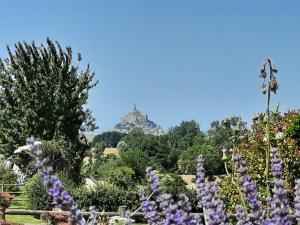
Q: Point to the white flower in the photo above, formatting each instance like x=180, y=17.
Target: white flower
x=26, y=147
x=279, y=135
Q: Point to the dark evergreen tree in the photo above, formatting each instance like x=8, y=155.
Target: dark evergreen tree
x=111, y=139
x=42, y=95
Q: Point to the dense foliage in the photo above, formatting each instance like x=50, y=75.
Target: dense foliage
x=8, y=177
x=294, y=129
x=183, y=136
x=213, y=163
x=221, y=133
x=253, y=150
x=42, y=95
x=110, y=139
x=106, y=197
x=36, y=194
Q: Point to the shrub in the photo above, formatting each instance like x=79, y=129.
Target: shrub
x=56, y=218
x=105, y=198
x=294, y=129
x=253, y=148
x=121, y=176
x=8, y=176
x=5, y=199
x=138, y=160
x=122, y=146
x=36, y=195
x=213, y=163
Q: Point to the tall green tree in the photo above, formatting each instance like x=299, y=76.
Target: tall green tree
x=213, y=163
x=223, y=134
x=110, y=138
x=138, y=160
x=157, y=148
x=184, y=135
x=43, y=93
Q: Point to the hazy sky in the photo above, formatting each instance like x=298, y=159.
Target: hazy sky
x=177, y=60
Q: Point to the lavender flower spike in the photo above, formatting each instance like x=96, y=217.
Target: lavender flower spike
x=241, y=217
x=249, y=189
x=208, y=199
x=149, y=209
x=297, y=201
x=215, y=211
x=279, y=203
x=154, y=181
x=276, y=165
x=93, y=218
x=200, y=180
x=54, y=186
x=178, y=214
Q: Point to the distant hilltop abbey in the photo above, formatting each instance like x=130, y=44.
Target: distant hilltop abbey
x=136, y=119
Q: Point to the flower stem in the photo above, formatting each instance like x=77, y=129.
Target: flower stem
x=267, y=171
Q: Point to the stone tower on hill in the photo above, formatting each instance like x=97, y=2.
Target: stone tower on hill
x=136, y=119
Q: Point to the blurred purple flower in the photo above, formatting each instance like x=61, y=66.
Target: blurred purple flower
x=279, y=204
x=208, y=198
x=149, y=209
x=154, y=181
x=249, y=190
x=200, y=180
x=242, y=218
x=276, y=165
x=297, y=201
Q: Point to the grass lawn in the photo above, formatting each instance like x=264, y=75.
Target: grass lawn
x=22, y=219
x=18, y=205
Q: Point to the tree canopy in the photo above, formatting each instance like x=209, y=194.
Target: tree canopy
x=111, y=139
x=221, y=133
x=183, y=136
x=188, y=159
x=43, y=94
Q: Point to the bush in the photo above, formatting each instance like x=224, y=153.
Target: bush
x=294, y=129
x=36, y=194
x=56, y=218
x=213, y=163
x=105, y=198
x=5, y=199
x=62, y=157
x=253, y=148
x=138, y=160
x=121, y=176
x=8, y=177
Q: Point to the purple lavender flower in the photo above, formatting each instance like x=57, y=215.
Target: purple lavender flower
x=200, y=180
x=54, y=186
x=276, y=165
x=208, y=198
x=297, y=200
x=178, y=214
x=279, y=203
x=242, y=218
x=214, y=208
x=93, y=218
x=154, y=181
x=270, y=222
x=249, y=189
x=149, y=209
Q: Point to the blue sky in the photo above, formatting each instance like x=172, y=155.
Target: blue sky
x=177, y=60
